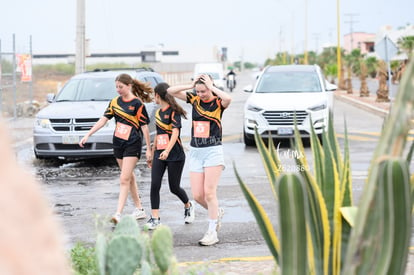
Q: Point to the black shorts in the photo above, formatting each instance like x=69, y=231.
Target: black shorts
x=133, y=150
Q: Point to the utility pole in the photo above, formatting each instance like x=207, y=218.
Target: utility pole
x=306, y=34
x=292, y=40
x=80, y=37
x=280, y=39
x=338, y=45
x=351, y=24
x=316, y=37
x=282, y=46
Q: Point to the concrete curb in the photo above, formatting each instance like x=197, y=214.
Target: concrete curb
x=362, y=105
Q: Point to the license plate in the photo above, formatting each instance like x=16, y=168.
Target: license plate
x=70, y=139
x=285, y=131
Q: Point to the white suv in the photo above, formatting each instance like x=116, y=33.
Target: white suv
x=75, y=109
x=282, y=93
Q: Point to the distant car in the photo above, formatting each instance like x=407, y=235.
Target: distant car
x=76, y=108
x=283, y=93
x=215, y=70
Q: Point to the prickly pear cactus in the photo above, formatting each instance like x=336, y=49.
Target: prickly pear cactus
x=123, y=255
x=100, y=253
x=127, y=226
x=162, y=247
x=145, y=268
x=145, y=242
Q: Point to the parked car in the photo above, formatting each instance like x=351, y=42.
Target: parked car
x=283, y=93
x=77, y=107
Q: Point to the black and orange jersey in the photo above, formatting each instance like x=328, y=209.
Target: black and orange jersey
x=206, y=127
x=166, y=120
x=129, y=117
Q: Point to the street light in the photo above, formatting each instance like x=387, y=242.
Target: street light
x=338, y=46
x=80, y=37
x=306, y=33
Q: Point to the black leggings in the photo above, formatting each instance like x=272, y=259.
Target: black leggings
x=175, y=168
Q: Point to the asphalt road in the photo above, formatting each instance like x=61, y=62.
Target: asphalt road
x=84, y=194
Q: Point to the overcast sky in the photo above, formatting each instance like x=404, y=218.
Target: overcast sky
x=254, y=29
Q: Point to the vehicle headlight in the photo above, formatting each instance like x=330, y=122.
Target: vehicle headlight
x=42, y=122
x=318, y=107
x=254, y=108
x=251, y=121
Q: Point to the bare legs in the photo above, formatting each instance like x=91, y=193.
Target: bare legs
x=127, y=182
x=204, y=189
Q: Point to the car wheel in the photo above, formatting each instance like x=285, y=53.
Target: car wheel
x=248, y=139
x=37, y=156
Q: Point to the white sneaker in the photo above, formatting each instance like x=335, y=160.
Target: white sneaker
x=116, y=218
x=209, y=238
x=189, y=213
x=219, y=218
x=139, y=214
x=152, y=223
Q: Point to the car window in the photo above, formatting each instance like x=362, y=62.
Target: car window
x=151, y=80
x=95, y=89
x=284, y=82
x=214, y=75
x=69, y=91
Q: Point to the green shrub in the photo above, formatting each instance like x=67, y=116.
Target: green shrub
x=83, y=260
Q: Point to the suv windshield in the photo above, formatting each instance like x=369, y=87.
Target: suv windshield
x=91, y=89
x=287, y=82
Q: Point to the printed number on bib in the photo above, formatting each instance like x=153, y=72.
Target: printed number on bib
x=162, y=141
x=122, y=131
x=201, y=129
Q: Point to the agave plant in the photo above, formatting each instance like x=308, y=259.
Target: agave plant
x=321, y=231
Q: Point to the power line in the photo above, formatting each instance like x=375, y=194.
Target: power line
x=351, y=24
x=316, y=36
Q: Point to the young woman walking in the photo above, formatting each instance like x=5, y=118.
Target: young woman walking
x=131, y=118
x=206, y=150
x=168, y=154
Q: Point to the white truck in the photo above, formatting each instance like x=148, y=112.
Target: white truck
x=216, y=71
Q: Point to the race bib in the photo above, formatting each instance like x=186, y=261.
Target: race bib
x=201, y=129
x=162, y=141
x=122, y=130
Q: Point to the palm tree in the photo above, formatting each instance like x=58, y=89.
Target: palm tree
x=331, y=71
x=312, y=57
x=382, y=92
x=407, y=45
x=372, y=66
x=363, y=90
x=354, y=61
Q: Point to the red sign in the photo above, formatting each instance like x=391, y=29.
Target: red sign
x=25, y=66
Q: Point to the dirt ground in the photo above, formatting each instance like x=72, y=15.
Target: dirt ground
x=27, y=98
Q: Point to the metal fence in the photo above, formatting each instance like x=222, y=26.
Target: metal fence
x=16, y=83
x=16, y=78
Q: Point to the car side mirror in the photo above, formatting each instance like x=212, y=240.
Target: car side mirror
x=50, y=97
x=330, y=86
x=248, y=89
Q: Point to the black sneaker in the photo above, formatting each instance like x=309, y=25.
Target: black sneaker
x=152, y=223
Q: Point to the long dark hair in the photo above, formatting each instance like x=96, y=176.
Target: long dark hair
x=161, y=90
x=199, y=81
x=139, y=89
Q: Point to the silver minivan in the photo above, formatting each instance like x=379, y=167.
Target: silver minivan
x=76, y=108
